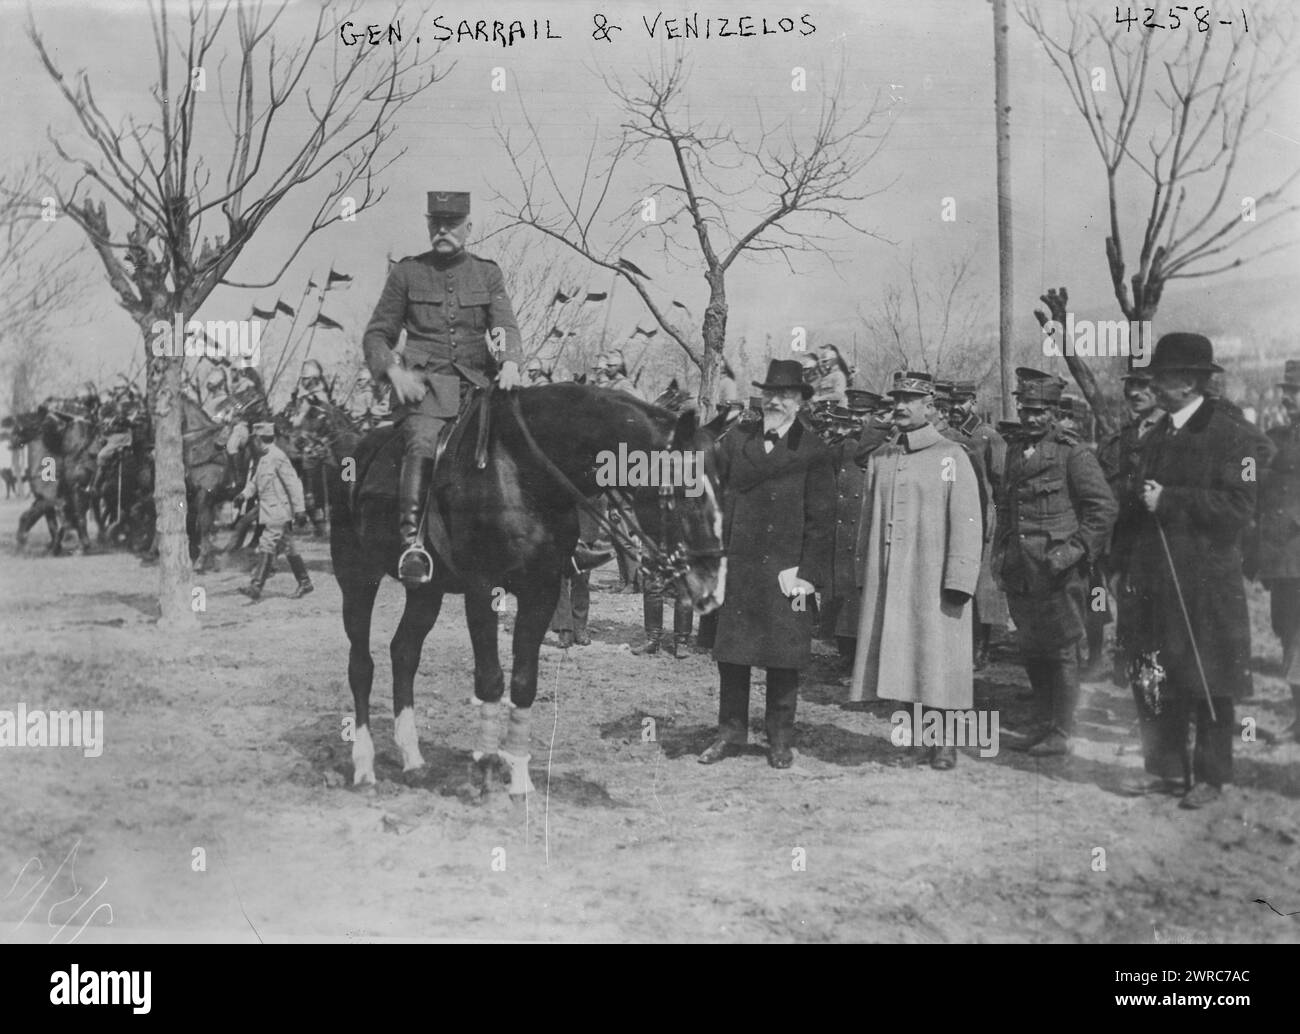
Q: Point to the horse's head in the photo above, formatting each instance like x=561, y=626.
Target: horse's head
x=690, y=515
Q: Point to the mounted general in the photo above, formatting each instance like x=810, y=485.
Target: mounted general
x=450, y=303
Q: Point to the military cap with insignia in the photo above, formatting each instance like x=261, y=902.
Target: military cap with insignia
x=1038, y=390
x=908, y=383
x=448, y=203
x=962, y=390
x=1028, y=373
x=943, y=391
x=860, y=401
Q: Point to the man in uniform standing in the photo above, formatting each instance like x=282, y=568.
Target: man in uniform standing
x=1276, y=556
x=918, y=558
x=274, y=482
x=778, y=509
x=460, y=329
x=1056, y=514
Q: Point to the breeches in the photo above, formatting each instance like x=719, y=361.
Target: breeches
x=277, y=538
x=1047, y=621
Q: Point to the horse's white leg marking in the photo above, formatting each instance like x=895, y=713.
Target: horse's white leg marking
x=516, y=751
x=489, y=729
x=363, y=758
x=408, y=741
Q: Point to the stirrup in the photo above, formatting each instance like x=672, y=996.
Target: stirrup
x=415, y=549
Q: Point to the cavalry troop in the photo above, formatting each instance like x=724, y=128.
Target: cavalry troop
x=903, y=527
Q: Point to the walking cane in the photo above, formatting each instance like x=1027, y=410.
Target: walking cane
x=1191, y=636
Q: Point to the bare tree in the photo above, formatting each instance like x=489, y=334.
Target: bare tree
x=40, y=290
x=1185, y=109
x=160, y=181
x=936, y=322
x=729, y=196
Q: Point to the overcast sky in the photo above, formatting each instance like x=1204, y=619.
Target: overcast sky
x=936, y=55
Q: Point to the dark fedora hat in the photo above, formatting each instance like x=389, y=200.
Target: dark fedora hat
x=1183, y=351
x=1291, y=375
x=785, y=374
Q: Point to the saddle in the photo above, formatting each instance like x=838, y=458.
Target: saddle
x=381, y=470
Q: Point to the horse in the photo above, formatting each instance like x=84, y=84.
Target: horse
x=60, y=468
x=508, y=523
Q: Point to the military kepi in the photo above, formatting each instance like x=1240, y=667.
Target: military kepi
x=1291, y=375
x=449, y=202
x=907, y=383
x=264, y=430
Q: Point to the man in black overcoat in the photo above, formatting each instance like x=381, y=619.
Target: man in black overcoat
x=778, y=514
x=1184, y=598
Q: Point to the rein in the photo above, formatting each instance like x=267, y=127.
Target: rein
x=670, y=564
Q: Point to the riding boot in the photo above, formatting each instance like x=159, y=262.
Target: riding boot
x=253, y=590
x=415, y=566
x=652, y=605
x=683, y=620
x=304, y=579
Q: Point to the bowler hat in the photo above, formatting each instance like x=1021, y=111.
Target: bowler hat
x=448, y=202
x=1183, y=351
x=911, y=384
x=1291, y=376
x=783, y=374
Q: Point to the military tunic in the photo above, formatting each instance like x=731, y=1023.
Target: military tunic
x=1055, y=514
x=449, y=309
x=279, y=498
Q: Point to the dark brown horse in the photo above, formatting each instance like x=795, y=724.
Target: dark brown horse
x=510, y=527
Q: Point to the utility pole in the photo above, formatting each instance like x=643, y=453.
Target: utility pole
x=1002, y=102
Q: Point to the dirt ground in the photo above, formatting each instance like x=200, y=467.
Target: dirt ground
x=222, y=806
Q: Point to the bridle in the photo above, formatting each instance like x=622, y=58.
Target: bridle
x=652, y=556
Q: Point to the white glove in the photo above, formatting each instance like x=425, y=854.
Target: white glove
x=791, y=584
